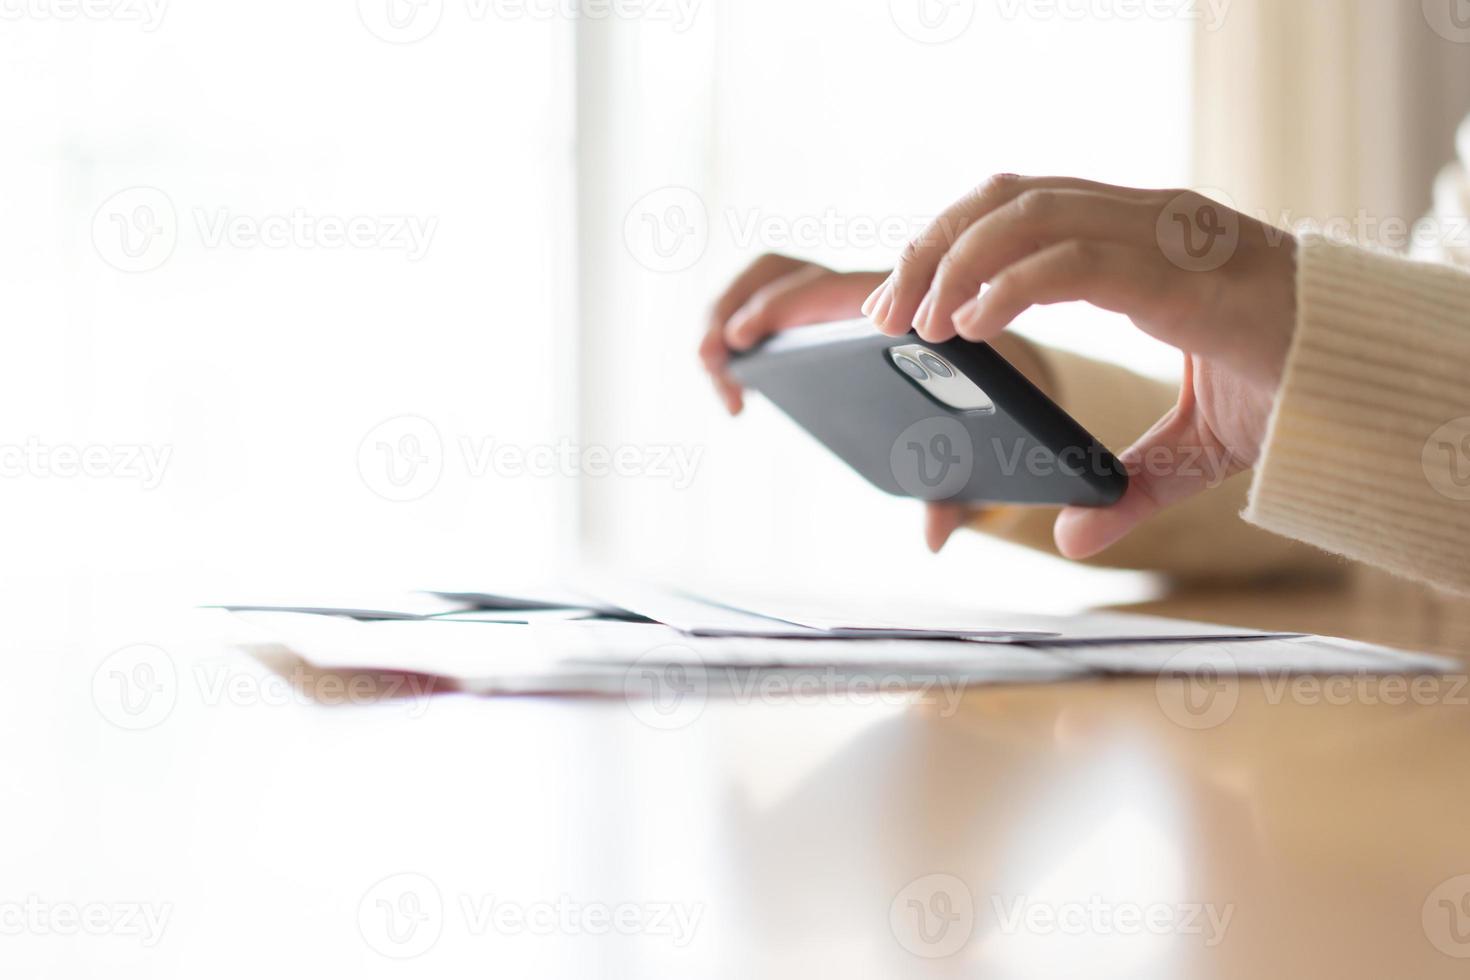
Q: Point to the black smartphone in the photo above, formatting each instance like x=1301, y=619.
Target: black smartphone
x=947, y=421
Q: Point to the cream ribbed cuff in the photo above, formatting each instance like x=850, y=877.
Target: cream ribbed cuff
x=1368, y=451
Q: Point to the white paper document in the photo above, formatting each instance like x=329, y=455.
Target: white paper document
x=553, y=652
x=700, y=616
x=783, y=616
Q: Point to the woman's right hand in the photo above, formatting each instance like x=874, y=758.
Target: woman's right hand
x=776, y=292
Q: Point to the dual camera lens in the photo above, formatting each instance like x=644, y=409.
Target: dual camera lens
x=921, y=367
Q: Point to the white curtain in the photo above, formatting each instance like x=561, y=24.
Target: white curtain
x=1331, y=108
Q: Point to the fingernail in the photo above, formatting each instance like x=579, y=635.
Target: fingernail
x=872, y=300
x=881, y=311
x=735, y=335
x=921, y=315
x=967, y=314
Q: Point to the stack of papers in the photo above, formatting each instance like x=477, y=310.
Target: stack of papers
x=587, y=639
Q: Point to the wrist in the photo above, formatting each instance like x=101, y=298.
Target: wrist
x=1281, y=327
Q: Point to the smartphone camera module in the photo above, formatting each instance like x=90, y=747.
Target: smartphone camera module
x=941, y=380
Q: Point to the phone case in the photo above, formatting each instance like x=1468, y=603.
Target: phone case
x=840, y=383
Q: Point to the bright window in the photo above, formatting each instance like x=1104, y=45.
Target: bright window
x=246, y=236
x=832, y=131
x=402, y=292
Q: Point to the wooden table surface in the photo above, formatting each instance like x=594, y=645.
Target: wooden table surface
x=1114, y=828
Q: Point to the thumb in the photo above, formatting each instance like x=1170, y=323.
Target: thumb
x=1174, y=460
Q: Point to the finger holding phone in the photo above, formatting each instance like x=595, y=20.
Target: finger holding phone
x=1214, y=283
x=775, y=293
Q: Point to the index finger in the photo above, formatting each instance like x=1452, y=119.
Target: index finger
x=921, y=257
x=759, y=273
x=713, y=351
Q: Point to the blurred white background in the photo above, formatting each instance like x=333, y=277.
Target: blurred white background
x=834, y=133
x=317, y=296
x=240, y=238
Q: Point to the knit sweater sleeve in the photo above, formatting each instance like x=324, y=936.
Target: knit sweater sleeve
x=1368, y=451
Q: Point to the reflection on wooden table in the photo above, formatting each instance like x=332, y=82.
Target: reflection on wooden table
x=1141, y=828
